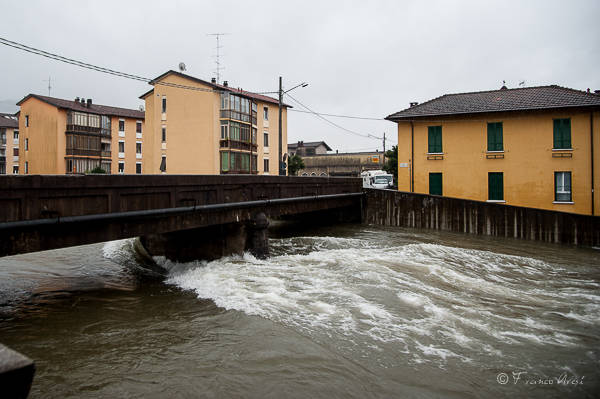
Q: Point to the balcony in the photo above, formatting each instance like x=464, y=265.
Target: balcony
x=105, y=154
x=87, y=153
x=238, y=145
x=84, y=129
x=238, y=116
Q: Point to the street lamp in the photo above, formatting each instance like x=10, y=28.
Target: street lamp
x=280, y=160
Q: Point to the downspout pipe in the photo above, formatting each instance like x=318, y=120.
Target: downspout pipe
x=412, y=157
x=592, y=154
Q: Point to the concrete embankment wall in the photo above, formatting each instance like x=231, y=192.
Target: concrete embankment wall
x=403, y=209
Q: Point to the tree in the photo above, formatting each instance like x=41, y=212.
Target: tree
x=295, y=163
x=391, y=163
x=97, y=170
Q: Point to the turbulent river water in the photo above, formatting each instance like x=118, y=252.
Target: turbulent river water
x=350, y=311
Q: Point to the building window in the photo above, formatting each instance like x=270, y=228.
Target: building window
x=224, y=161
x=494, y=136
x=266, y=113
x=266, y=165
x=224, y=126
x=164, y=134
x=15, y=170
x=26, y=120
x=434, y=139
x=495, y=186
x=15, y=152
x=562, y=187
x=138, y=168
x=121, y=167
x=163, y=164
x=266, y=136
x=26, y=167
x=26, y=144
x=164, y=104
x=138, y=127
x=138, y=148
x=121, y=125
x=122, y=147
x=562, y=134
x=16, y=136
x=435, y=184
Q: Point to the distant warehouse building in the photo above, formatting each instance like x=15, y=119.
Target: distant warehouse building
x=536, y=147
x=318, y=162
x=60, y=136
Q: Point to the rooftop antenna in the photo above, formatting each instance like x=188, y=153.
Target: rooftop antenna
x=522, y=83
x=49, y=80
x=181, y=67
x=218, y=59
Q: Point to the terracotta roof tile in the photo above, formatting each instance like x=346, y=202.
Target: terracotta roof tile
x=503, y=100
x=9, y=120
x=93, y=109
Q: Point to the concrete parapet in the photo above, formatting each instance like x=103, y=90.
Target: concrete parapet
x=403, y=209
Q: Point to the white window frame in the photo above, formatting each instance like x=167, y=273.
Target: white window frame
x=121, y=154
x=138, y=155
x=136, y=164
x=121, y=132
x=119, y=167
x=139, y=135
x=557, y=191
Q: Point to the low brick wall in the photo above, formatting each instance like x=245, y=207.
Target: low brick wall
x=396, y=208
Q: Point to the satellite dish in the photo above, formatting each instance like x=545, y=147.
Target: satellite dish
x=181, y=66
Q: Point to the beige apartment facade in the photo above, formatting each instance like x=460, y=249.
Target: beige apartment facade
x=9, y=144
x=200, y=127
x=59, y=136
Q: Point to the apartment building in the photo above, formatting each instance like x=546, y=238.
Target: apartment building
x=9, y=144
x=200, y=127
x=535, y=147
x=61, y=136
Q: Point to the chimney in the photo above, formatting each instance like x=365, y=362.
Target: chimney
x=82, y=101
x=597, y=92
x=225, y=83
x=213, y=80
x=77, y=99
x=89, y=102
x=412, y=104
x=336, y=151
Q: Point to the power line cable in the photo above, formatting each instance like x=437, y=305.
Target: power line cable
x=370, y=136
x=339, y=116
x=93, y=67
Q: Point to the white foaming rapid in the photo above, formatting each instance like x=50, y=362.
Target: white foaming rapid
x=429, y=302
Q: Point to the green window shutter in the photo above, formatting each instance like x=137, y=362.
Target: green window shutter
x=562, y=133
x=435, y=184
x=494, y=135
x=434, y=139
x=495, y=186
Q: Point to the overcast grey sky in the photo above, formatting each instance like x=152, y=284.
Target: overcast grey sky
x=361, y=58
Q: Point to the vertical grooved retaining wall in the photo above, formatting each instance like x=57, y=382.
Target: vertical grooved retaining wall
x=403, y=209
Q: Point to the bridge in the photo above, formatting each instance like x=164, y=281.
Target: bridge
x=180, y=216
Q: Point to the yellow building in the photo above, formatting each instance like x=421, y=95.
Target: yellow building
x=75, y=136
x=199, y=127
x=535, y=147
x=9, y=144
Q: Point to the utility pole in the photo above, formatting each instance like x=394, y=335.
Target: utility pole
x=383, y=148
x=280, y=164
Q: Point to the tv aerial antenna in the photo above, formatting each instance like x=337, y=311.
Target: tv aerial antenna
x=218, y=56
x=49, y=80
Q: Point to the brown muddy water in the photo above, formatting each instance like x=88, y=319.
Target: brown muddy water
x=350, y=311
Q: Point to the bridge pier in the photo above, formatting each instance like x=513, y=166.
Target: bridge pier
x=212, y=242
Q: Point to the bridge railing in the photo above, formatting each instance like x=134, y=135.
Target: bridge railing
x=55, y=196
